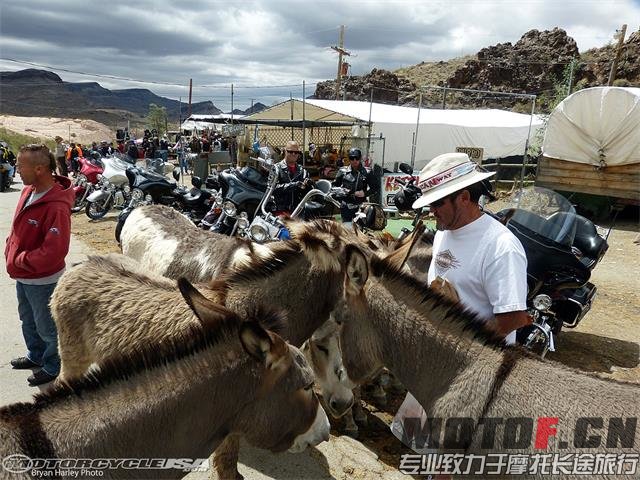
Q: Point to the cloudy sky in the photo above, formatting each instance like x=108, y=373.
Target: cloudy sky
x=273, y=44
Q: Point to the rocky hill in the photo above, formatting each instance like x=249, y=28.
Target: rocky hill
x=541, y=63
x=34, y=92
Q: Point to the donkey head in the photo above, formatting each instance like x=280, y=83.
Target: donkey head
x=360, y=344
x=284, y=412
x=323, y=353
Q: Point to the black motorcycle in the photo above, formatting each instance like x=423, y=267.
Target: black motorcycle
x=562, y=249
x=242, y=190
x=148, y=188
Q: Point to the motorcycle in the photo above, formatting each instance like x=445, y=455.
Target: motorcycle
x=268, y=227
x=84, y=184
x=112, y=189
x=562, y=249
x=148, y=187
x=7, y=171
x=242, y=192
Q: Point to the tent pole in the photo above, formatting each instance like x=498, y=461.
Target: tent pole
x=304, y=130
x=415, y=137
x=369, y=134
x=526, y=145
x=291, y=101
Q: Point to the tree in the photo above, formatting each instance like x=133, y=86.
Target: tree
x=157, y=118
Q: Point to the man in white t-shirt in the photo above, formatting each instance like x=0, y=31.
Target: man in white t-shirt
x=483, y=262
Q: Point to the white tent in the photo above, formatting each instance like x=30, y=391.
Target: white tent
x=201, y=122
x=598, y=126
x=499, y=133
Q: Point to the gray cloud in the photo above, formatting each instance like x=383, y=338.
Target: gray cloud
x=269, y=42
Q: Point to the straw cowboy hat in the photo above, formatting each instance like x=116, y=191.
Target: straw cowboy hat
x=445, y=174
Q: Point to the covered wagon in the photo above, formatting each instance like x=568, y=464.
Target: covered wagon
x=592, y=145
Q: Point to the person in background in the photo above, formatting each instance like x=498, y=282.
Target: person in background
x=73, y=153
x=293, y=181
x=354, y=180
x=206, y=144
x=60, y=152
x=35, y=251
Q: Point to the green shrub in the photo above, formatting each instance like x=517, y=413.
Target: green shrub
x=16, y=140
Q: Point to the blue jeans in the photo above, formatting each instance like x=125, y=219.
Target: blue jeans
x=38, y=328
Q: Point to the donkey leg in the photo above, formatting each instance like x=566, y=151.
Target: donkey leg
x=378, y=393
x=225, y=459
x=350, y=426
x=74, y=358
x=358, y=411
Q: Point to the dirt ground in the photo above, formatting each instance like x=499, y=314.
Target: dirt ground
x=71, y=129
x=606, y=342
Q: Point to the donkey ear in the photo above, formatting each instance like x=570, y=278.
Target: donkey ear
x=262, y=345
x=399, y=256
x=357, y=271
x=207, y=311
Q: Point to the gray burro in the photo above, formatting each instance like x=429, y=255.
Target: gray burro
x=461, y=372
x=241, y=377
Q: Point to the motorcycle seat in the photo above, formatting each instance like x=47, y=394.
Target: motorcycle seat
x=587, y=239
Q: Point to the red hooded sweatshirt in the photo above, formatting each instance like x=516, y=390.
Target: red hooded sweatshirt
x=40, y=233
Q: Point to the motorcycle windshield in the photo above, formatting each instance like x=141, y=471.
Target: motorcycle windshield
x=545, y=212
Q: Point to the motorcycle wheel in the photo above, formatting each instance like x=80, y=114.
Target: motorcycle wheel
x=97, y=210
x=79, y=204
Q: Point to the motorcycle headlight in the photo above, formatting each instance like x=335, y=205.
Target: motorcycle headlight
x=229, y=209
x=243, y=221
x=258, y=233
x=542, y=302
x=137, y=194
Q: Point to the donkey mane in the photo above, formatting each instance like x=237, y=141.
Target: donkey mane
x=193, y=340
x=311, y=239
x=258, y=267
x=408, y=288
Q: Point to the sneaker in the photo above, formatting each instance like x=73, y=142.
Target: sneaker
x=40, y=377
x=22, y=363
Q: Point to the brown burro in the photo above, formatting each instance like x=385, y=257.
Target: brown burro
x=173, y=399
x=494, y=397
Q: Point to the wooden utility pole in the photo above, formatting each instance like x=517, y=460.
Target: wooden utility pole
x=614, y=65
x=341, y=51
x=190, y=90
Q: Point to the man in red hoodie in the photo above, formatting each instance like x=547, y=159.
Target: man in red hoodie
x=35, y=252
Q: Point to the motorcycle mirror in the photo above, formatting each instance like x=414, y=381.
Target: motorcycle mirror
x=405, y=168
x=176, y=174
x=323, y=185
x=196, y=182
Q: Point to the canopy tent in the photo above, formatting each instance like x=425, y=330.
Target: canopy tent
x=499, y=133
x=203, y=121
x=597, y=126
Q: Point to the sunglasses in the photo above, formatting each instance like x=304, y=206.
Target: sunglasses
x=439, y=203
x=354, y=158
x=293, y=151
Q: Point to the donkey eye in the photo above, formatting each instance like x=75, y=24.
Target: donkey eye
x=323, y=349
x=309, y=387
